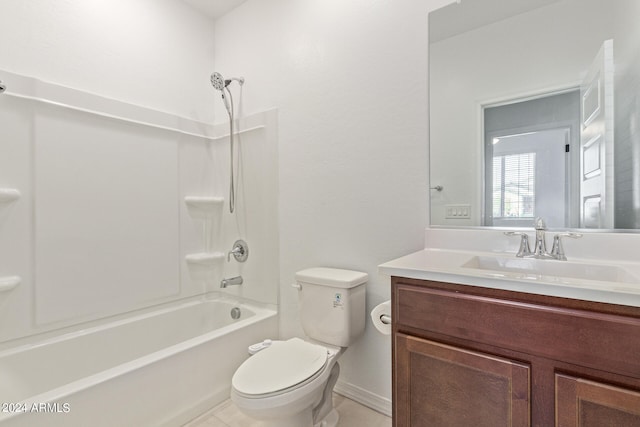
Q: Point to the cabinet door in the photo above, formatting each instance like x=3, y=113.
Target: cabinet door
x=586, y=403
x=440, y=385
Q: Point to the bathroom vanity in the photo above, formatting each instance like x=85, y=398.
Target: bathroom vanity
x=466, y=355
x=482, y=337
x=483, y=347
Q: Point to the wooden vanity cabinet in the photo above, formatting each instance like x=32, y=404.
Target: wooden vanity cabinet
x=472, y=356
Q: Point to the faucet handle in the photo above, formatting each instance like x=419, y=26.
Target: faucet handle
x=524, y=249
x=557, y=250
x=240, y=251
x=539, y=223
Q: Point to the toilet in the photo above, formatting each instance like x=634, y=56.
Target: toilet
x=290, y=383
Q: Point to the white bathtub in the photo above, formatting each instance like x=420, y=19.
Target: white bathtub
x=160, y=368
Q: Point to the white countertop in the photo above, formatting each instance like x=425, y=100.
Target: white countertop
x=447, y=265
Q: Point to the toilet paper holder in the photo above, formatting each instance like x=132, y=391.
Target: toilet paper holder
x=381, y=317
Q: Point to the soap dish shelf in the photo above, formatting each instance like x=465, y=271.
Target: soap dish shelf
x=205, y=258
x=204, y=203
x=8, y=283
x=8, y=195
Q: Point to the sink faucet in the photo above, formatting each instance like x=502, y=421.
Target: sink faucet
x=234, y=281
x=540, y=247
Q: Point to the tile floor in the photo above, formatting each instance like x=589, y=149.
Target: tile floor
x=352, y=414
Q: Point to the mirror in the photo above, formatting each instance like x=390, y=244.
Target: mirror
x=535, y=111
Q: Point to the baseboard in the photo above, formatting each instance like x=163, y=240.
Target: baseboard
x=364, y=397
x=197, y=408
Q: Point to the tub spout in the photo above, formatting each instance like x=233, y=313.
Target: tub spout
x=234, y=281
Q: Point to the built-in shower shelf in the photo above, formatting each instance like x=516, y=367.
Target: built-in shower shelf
x=204, y=203
x=8, y=283
x=205, y=258
x=8, y=195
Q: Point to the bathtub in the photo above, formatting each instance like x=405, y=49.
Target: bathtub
x=158, y=368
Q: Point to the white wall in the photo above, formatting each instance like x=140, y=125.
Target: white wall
x=154, y=53
x=350, y=81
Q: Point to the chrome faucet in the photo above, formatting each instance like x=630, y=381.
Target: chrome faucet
x=557, y=250
x=234, y=281
x=540, y=247
x=524, y=250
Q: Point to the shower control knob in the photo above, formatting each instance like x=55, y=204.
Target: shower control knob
x=240, y=251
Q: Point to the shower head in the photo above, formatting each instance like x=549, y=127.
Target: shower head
x=221, y=84
x=218, y=81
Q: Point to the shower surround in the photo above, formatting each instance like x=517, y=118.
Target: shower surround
x=101, y=227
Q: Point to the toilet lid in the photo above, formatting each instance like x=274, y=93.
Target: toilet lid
x=281, y=366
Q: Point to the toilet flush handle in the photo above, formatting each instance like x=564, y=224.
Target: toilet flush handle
x=298, y=286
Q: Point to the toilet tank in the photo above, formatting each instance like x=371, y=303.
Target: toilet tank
x=332, y=304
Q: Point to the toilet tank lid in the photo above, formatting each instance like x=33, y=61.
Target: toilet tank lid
x=336, y=277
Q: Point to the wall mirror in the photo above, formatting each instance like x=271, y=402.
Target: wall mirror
x=535, y=111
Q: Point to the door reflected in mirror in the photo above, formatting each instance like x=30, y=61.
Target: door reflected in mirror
x=530, y=151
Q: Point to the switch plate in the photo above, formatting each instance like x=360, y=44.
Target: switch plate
x=460, y=211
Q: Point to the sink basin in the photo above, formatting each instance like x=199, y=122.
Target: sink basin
x=530, y=268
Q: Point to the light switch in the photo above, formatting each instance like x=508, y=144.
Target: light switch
x=458, y=211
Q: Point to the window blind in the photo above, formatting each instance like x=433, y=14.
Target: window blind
x=514, y=185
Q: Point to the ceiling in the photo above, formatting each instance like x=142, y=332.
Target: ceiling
x=468, y=15
x=214, y=8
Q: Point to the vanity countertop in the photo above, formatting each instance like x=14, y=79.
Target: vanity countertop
x=614, y=283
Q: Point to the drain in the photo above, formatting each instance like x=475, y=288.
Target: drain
x=235, y=313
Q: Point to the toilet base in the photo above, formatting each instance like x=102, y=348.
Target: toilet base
x=302, y=419
x=330, y=420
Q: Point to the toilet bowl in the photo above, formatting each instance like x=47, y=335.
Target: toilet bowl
x=290, y=383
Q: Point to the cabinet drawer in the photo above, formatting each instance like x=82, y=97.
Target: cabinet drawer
x=591, y=339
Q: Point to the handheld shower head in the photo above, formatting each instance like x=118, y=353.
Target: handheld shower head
x=218, y=81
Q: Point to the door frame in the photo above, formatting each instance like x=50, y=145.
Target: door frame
x=573, y=168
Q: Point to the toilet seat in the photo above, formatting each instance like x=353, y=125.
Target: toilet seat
x=284, y=366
